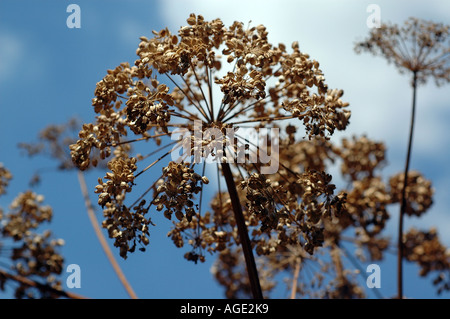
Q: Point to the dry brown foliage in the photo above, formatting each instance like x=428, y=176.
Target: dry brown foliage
x=299, y=222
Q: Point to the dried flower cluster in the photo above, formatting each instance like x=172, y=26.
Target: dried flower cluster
x=360, y=157
x=26, y=215
x=180, y=183
x=124, y=225
x=230, y=273
x=53, y=142
x=33, y=255
x=367, y=205
x=418, y=192
x=273, y=211
x=292, y=214
x=422, y=49
x=5, y=177
x=132, y=100
x=283, y=246
x=420, y=46
x=425, y=248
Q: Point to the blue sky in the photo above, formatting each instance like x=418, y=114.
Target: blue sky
x=48, y=74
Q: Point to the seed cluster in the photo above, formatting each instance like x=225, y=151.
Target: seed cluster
x=5, y=177
x=126, y=225
x=310, y=217
x=418, y=193
x=360, y=157
x=296, y=210
x=260, y=196
x=118, y=181
x=33, y=255
x=146, y=107
x=264, y=84
x=367, y=205
x=27, y=215
x=177, y=189
x=419, y=46
x=425, y=248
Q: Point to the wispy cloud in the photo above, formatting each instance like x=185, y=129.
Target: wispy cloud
x=11, y=55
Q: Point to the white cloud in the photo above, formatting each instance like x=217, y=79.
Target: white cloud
x=21, y=58
x=11, y=55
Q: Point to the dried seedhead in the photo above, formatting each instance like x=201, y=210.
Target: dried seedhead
x=264, y=84
x=360, y=157
x=425, y=249
x=5, y=177
x=31, y=254
x=230, y=273
x=418, y=193
x=53, y=142
x=295, y=211
x=287, y=219
x=419, y=46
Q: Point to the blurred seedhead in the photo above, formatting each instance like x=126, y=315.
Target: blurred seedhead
x=419, y=46
x=25, y=251
x=425, y=249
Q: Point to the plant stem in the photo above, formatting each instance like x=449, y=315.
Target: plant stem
x=403, y=199
x=243, y=233
x=42, y=287
x=101, y=238
x=298, y=261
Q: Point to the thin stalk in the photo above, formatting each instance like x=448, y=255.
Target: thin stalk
x=42, y=287
x=199, y=108
x=219, y=188
x=201, y=90
x=265, y=119
x=201, y=200
x=403, y=200
x=298, y=261
x=102, y=239
x=114, y=144
x=243, y=233
x=156, y=161
x=209, y=75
